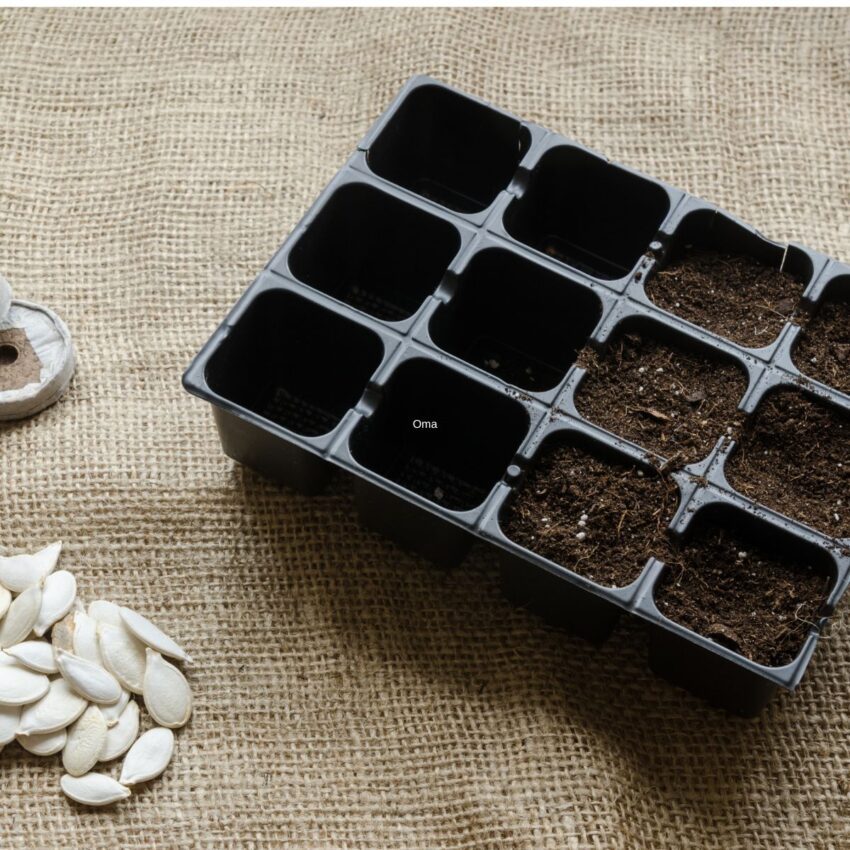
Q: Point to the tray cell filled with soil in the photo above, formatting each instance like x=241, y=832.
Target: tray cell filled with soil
x=729, y=280
x=822, y=350
x=440, y=434
x=592, y=511
x=745, y=585
x=794, y=457
x=449, y=148
x=530, y=346
x=670, y=395
x=294, y=363
x=374, y=252
x=587, y=213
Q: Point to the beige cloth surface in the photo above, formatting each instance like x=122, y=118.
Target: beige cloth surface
x=349, y=696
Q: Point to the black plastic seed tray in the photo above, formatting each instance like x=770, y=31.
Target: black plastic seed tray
x=420, y=328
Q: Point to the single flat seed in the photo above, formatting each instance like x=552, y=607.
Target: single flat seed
x=19, y=685
x=5, y=601
x=112, y=713
x=10, y=719
x=35, y=654
x=105, y=612
x=60, y=591
x=88, y=680
x=85, y=638
x=44, y=745
x=123, y=656
x=58, y=708
x=21, y=617
x=168, y=697
x=148, y=757
x=62, y=635
x=85, y=742
x=121, y=736
x=19, y=572
x=152, y=635
x=93, y=789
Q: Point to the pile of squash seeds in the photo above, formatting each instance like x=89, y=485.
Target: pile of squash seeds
x=68, y=675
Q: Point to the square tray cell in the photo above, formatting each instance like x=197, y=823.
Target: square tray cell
x=729, y=279
x=440, y=434
x=746, y=585
x=585, y=506
x=375, y=252
x=794, y=457
x=662, y=391
x=450, y=149
x=294, y=363
x=516, y=319
x=588, y=213
x=822, y=350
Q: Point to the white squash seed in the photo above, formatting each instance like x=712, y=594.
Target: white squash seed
x=106, y=612
x=112, y=713
x=168, y=697
x=44, y=745
x=58, y=708
x=35, y=654
x=60, y=591
x=19, y=685
x=10, y=718
x=19, y=572
x=121, y=736
x=5, y=601
x=123, y=656
x=86, y=738
x=62, y=634
x=93, y=789
x=148, y=757
x=85, y=638
x=88, y=680
x=152, y=635
x=21, y=617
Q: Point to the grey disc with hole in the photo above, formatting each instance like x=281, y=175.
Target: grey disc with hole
x=36, y=356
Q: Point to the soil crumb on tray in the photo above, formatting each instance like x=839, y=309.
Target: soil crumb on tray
x=823, y=347
x=794, y=456
x=602, y=520
x=663, y=398
x=742, y=597
x=728, y=294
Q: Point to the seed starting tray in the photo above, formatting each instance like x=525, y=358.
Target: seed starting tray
x=419, y=328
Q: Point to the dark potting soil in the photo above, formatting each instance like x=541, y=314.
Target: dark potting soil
x=663, y=398
x=753, y=602
x=823, y=347
x=794, y=456
x=599, y=519
x=730, y=295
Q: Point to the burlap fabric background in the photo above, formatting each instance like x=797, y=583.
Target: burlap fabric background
x=348, y=696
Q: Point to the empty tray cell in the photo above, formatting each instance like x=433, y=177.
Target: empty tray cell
x=588, y=213
x=794, y=457
x=587, y=508
x=375, y=252
x=294, y=363
x=822, y=350
x=441, y=435
x=729, y=280
x=665, y=392
x=746, y=585
x=516, y=319
x=449, y=148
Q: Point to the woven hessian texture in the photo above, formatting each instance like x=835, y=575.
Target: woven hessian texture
x=349, y=695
